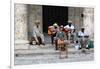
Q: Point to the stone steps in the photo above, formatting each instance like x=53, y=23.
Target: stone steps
x=47, y=51
x=48, y=54
x=27, y=46
x=45, y=59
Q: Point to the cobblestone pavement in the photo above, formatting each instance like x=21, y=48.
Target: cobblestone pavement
x=47, y=54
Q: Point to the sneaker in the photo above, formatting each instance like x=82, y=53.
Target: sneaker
x=88, y=48
x=37, y=43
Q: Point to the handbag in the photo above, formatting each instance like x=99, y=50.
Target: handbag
x=60, y=42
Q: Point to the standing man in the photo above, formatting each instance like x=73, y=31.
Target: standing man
x=37, y=34
x=54, y=30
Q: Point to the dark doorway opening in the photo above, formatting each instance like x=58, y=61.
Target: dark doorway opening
x=54, y=14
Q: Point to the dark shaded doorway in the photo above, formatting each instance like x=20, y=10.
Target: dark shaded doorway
x=52, y=14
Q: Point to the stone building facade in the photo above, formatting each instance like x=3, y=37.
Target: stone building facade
x=82, y=17
x=25, y=16
x=20, y=23
x=34, y=13
x=74, y=14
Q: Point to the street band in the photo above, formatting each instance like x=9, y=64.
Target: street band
x=62, y=37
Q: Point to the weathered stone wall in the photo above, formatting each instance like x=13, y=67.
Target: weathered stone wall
x=89, y=21
x=20, y=23
x=25, y=16
x=74, y=14
x=24, y=19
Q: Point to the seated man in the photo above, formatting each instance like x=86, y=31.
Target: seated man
x=69, y=29
x=83, y=38
x=37, y=34
x=70, y=25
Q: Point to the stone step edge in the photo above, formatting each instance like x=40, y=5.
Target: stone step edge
x=34, y=47
x=46, y=52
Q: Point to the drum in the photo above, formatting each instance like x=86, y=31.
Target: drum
x=60, y=42
x=84, y=42
x=91, y=44
x=49, y=32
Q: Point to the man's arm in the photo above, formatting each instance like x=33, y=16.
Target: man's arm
x=65, y=37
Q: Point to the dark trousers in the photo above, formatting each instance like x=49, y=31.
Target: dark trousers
x=56, y=45
x=33, y=39
x=52, y=38
x=52, y=41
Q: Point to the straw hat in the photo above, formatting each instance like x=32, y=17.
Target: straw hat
x=69, y=21
x=82, y=28
x=37, y=22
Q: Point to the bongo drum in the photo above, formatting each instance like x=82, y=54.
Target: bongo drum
x=60, y=42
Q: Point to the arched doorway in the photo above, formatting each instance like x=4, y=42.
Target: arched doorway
x=52, y=14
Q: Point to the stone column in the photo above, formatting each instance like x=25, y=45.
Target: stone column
x=88, y=21
x=34, y=13
x=20, y=20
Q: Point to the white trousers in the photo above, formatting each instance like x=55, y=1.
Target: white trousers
x=39, y=35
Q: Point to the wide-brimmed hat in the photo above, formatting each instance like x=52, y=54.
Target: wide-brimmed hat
x=37, y=22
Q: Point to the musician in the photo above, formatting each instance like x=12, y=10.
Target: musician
x=82, y=32
x=69, y=26
x=74, y=36
x=52, y=30
x=83, y=38
x=69, y=29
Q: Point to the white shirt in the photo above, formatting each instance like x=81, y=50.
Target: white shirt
x=69, y=27
x=80, y=33
x=36, y=31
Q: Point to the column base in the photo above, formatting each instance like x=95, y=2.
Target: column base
x=21, y=44
x=21, y=41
